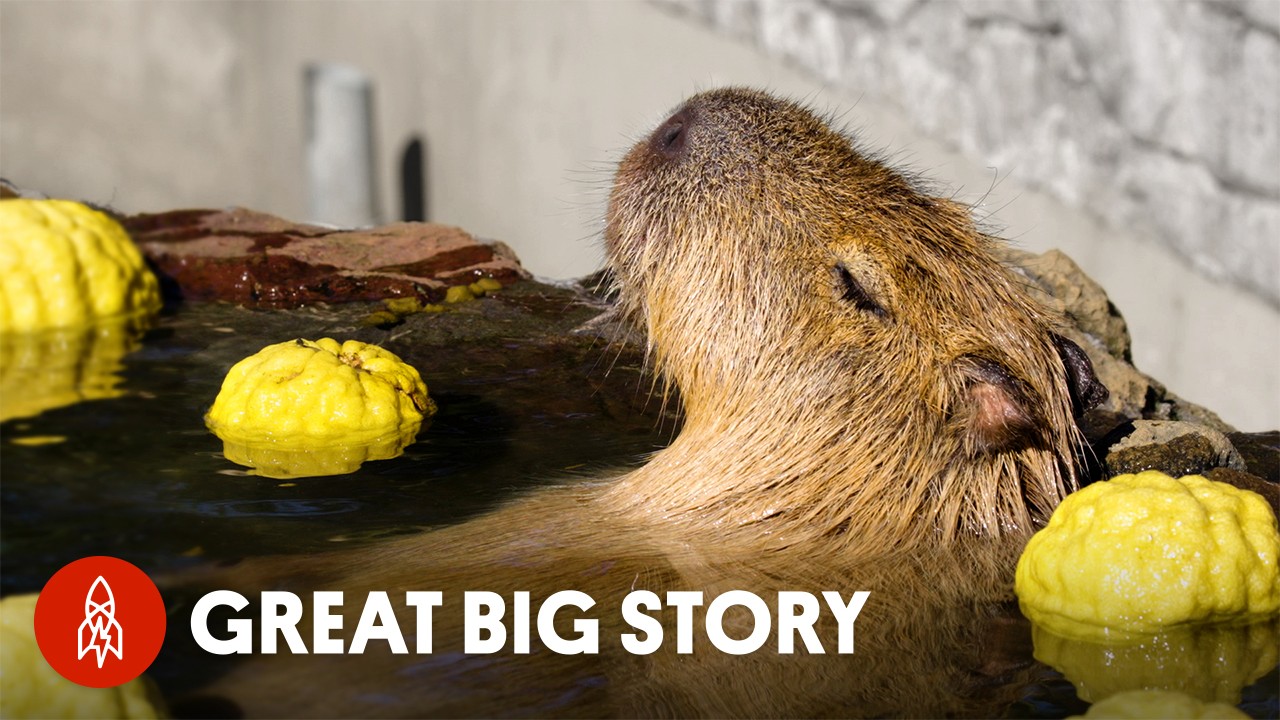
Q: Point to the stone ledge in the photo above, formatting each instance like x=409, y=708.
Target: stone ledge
x=259, y=260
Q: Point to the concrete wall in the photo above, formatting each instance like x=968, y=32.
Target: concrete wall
x=522, y=107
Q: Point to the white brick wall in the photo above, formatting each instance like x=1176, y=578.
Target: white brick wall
x=1161, y=116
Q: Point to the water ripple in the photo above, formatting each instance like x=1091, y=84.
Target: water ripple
x=277, y=508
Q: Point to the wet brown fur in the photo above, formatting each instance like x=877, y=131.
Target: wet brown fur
x=925, y=645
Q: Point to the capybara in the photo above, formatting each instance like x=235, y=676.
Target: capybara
x=872, y=401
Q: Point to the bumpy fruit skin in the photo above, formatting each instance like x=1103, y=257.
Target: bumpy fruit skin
x=30, y=688
x=1140, y=553
x=65, y=264
x=305, y=394
x=1160, y=705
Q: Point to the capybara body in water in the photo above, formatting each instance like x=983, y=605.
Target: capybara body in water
x=872, y=402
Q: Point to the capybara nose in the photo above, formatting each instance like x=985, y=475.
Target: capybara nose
x=671, y=138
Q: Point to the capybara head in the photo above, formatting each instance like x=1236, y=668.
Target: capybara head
x=851, y=356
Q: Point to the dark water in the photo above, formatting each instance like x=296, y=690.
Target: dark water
x=139, y=476
x=522, y=404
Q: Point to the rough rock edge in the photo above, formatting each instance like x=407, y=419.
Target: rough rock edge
x=1140, y=415
x=1098, y=327
x=259, y=260
x=1142, y=425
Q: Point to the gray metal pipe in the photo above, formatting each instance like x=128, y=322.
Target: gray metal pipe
x=341, y=178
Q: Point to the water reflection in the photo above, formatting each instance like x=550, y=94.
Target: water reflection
x=140, y=477
x=276, y=508
x=278, y=460
x=1211, y=663
x=935, y=637
x=54, y=368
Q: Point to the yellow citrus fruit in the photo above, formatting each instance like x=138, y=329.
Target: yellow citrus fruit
x=63, y=264
x=1160, y=705
x=340, y=403
x=1139, y=553
x=1212, y=663
x=30, y=688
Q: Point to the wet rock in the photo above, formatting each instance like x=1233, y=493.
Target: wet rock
x=1103, y=428
x=1132, y=393
x=1173, y=407
x=258, y=260
x=1175, y=448
x=611, y=324
x=1098, y=328
x=1261, y=453
x=1076, y=295
x=1248, y=481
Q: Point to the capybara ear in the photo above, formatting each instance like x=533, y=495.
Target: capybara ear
x=999, y=411
x=1087, y=392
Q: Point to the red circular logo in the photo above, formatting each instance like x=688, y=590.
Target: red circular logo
x=100, y=621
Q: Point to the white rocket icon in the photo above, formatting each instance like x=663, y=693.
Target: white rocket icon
x=100, y=631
